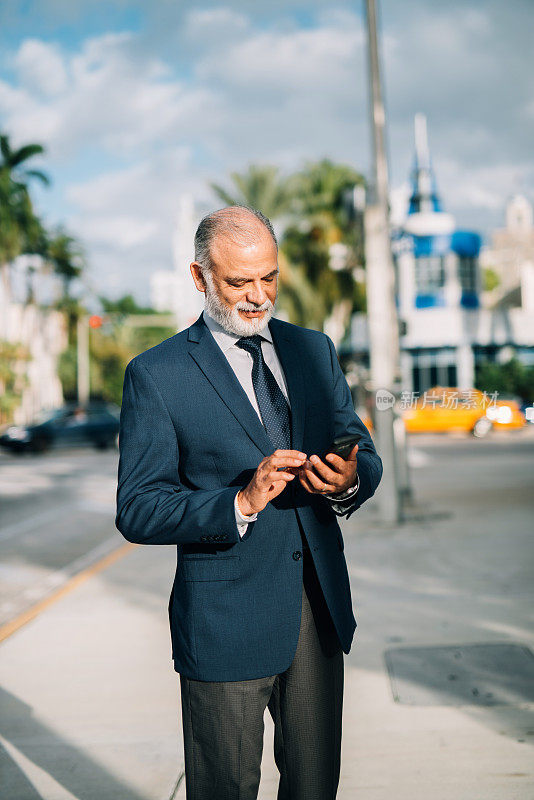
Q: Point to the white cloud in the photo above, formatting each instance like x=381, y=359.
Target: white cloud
x=311, y=61
x=126, y=217
x=165, y=111
x=120, y=232
x=40, y=67
x=207, y=26
x=112, y=99
x=482, y=187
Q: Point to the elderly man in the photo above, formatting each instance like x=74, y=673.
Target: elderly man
x=224, y=452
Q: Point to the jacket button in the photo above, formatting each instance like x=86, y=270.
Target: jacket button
x=297, y=555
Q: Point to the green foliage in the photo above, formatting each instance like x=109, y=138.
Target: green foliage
x=109, y=358
x=124, y=305
x=260, y=187
x=66, y=256
x=490, y=279
x=12, y=379
x=313, y=204
x=67, y=372
x=21, y=230
x=321, y=218
x=111, y=347
x=512, y=378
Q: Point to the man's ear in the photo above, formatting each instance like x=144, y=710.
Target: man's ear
x=198, y=277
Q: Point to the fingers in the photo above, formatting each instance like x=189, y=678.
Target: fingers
x=305, y=482
x=289, y=454
x=317, y=485
x=326, y=473
x=286, y=458
x=272, y=477
x=285, y=461
x=335, y=462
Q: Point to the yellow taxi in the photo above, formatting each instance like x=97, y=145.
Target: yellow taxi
x=450, y=409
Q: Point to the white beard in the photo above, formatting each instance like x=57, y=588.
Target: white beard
x=229, y=319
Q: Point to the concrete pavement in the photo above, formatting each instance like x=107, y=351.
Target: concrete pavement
x=90, y=703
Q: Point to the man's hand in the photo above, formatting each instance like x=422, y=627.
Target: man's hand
x=269, y=480
x=333, y=477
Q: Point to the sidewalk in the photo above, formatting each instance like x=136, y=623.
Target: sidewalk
x=89, y=699
x=90, y=703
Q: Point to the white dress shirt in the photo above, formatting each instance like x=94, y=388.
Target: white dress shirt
x=241, y=362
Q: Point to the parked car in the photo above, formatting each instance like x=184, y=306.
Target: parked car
x=449, y=409
x=70, y=425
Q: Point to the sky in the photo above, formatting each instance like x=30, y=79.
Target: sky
x=138, y=103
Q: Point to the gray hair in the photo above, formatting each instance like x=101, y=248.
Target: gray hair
x=236, y=224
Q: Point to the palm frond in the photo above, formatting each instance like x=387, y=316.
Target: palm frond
x=26, y=152
x=41, y=176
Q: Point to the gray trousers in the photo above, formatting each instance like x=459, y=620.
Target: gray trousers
x=223, y=721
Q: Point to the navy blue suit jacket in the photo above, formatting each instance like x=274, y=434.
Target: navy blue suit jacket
x=189, y=440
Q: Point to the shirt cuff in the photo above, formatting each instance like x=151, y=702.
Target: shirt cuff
x=347, y=495
x=241, y=520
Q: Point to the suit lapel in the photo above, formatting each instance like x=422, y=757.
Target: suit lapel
x=213, y=363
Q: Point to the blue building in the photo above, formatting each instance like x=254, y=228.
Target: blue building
x=446, y=330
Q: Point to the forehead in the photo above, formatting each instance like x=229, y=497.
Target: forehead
x=230, y=257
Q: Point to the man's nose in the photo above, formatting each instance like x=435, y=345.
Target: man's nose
x=256, y=294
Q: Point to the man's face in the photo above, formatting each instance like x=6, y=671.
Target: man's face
x=241, y=287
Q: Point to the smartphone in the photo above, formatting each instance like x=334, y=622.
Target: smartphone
x=344, y=444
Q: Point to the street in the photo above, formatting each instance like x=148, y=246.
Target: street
x=55, y=512
x=90, y=705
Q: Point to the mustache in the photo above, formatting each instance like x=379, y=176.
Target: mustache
x=243, y=305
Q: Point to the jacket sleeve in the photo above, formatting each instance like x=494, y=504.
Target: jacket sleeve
x=347, y=422
x=153, y=506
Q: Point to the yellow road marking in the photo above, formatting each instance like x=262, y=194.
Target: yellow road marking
x=26, y=616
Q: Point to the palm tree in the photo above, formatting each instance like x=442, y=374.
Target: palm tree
x=66, y=257
x=13, y=161
x=313, y=206
x=67, y=260
x=322, y=218
x=20, y=229
x=260, y=187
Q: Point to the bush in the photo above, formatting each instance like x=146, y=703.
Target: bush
x=512, y=378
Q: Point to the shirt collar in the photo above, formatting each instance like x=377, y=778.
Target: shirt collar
x=226, y=340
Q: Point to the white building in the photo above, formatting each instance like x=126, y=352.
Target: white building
x=445, y=331
x=511, y=256
x=174, y=290
x=41, y=333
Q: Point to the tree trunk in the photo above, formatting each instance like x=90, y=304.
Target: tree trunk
x=336, y=323
x=5, y=298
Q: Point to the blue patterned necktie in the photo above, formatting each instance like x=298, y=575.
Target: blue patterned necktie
x=273, y=406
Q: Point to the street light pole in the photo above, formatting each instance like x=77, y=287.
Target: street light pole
x=381, y=308
x=83, y=359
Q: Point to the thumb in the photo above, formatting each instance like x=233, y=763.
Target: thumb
x=352, y=454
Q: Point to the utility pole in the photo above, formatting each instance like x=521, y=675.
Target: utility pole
x=82, y=348
x=381, y=308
